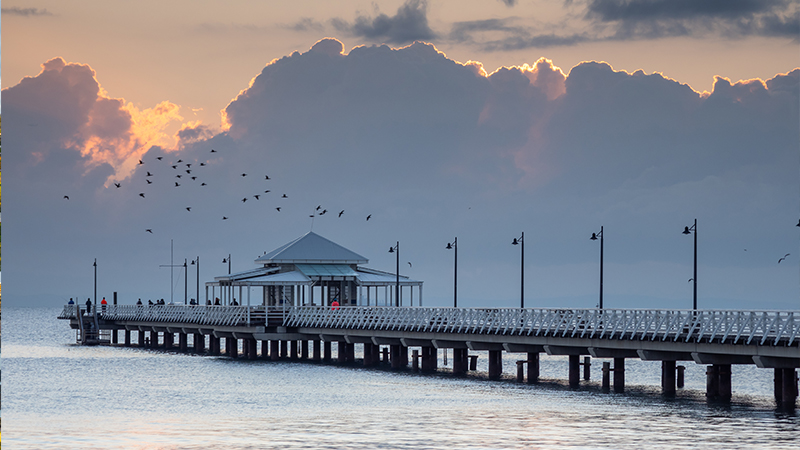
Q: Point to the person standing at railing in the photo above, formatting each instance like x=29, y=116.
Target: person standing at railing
x=139, y=302
x=103, y=304
x=88, y=306
x=335, y=305
x=216, y=301
x=234, y=302
x=70, y=302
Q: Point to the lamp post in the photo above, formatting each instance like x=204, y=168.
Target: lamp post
x=95, y=285
x=454, y=246
x=197, y=262
x=594, y=238
x=521, y=242
x=690, y=230
x=185, y=282
x=396, y=250
x=227, y=260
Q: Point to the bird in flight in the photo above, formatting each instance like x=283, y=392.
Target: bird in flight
x=213, y=151
x=175, y=166
x=203, y=184
x=224, y=218
x=176, y=184
x=117, y=185
x=66, y=197
x=244, y=199
x=267, y=191
x=178, y=176
x=409, y=263
x=189, y=208
x=179, y=161
x=318, y=207
x=690, y=280
x=188, y=165
x=369, y=216
x=256, y=196
x=278, y=208
x=188, y=171
x=244, y=175
x=149, y=182
x=784, y=257
x=266, y=176
x=194, y=178
x=341, y=212
x=284, y=196
x=140, y=162
x=149, y=231
x=149, y=174
x=323, y=212
x=159, y=158
x=141, y=194
x=202, y=164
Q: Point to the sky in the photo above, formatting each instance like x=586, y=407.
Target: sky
x=476, y=120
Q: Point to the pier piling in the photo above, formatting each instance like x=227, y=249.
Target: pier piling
x=606, y=376
x=619, y=375
x=668, y=378
x=533, y=367
x=574, y=370
x=495, y=364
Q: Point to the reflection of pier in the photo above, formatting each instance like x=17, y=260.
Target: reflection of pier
x=717, y=339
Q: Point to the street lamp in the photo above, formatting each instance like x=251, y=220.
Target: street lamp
x=396, y=250
x=95, y=285
x=454, y=246
x=227, y=260
x=690, y=230
x=521, y=242
x=197, y=262
x=185, y=282
x=594, y=238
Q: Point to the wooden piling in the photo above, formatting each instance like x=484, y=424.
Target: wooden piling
x=668, y=378
x=495, y=364
x=415, y=359
x=574, y=370
x=619, y=375
x=533, y=367
x=712, y=382
x=680, y=378
x=606, y=376
x=274, y=350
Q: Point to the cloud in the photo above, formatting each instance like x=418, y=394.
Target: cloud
x=64, y=108
x=408, y=25
x=429, y=147
x=25, y=12
x=307, y=24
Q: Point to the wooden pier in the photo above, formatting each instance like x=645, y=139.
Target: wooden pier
x=717, y=339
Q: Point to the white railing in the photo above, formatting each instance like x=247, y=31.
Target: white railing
x=192, y=314
x=732, y=327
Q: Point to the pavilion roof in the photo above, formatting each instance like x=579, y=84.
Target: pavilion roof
x=311, y=248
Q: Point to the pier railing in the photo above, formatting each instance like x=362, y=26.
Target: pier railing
x=777, y=328
x=731, y=327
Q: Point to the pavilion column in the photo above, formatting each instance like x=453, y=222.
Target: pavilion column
x=293, y=344
x=199, y=342
x=213, y=345
x=304, y=349
x=574, y=370
x=284, y=349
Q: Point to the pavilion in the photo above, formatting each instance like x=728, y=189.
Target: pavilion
x=312, y=270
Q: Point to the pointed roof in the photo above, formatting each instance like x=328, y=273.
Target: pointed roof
x=311, y=248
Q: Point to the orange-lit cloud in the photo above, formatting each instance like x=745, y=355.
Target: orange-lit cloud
x=72, y=111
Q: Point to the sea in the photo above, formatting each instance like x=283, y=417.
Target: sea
x=58, y=395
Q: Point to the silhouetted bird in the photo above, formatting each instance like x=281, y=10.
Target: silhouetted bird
x=244, y=174
x=266, y=177
x=178, y=176
x=341, y=212
x=267, y=191
x=140, y=162
x=179, y=161
x=148, y=181
x=784, y=257
x=175, y=166
x=149, y=231
x=141, y=194
x=369, y=216
x=117, y=185
x=149, y=174
x=244, y=199
x=202, y=164
x=690, y=280
x=278, y=208
x=213, y=151
x=323, y=212
x=284, y=196
x=202, y=184
x=188, y=165
x=256, y=196
x=176, y=184
x=311, y=215
x=194, y=178
x=66, y=197
x=224, y=218
x=318, y=208
x=188, y=171
x=189, y=208
x=159, y=158
x=409, y=264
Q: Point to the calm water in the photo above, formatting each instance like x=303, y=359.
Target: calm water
x=60, y=396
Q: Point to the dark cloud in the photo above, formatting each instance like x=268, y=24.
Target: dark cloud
x=509, y=3
x=653, y=19
x=408, y=25
x=511, y=37
x=25, y=12
x=307, y=24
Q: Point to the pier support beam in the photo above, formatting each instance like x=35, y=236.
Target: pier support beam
x=265, y=349
x=574, y=370
x=213, y=345
x=368, y=354
x=668, y=378
x=252, y=348
x=327, y=353
x=460, y=360
x=284, y=349
x=788, y=389
x=303, y=349
x=606, y=386
x=199, y=343
x=495, y=364
x=115, y=336
x=183, y=342
x=396, y=351
x=127, y=338
x=712, y=382
x=295, y=354
x=140, y=336
x=430, y=359
x=619, y=375
x=317, y=353
x=533, y=367
x=169, y=340
x=233, y=350
x=275, y=350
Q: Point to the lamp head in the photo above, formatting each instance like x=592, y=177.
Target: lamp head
x=391, y=249
x=686, y=230
x=192, y=262
x=594, y=237
x=224, y=260
x=449, y=246
x=798, y=223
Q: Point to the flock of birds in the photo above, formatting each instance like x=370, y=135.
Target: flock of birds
x=184, y=172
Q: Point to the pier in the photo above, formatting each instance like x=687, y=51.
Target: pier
x=717, y=339
x=287, y=322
